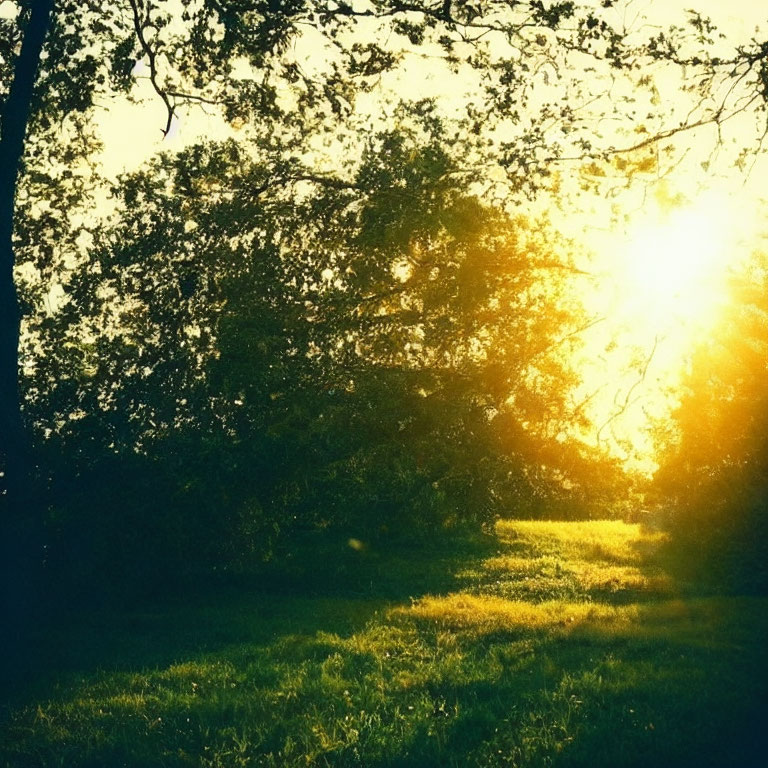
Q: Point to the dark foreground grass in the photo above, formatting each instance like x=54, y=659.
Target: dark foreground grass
x=563, y=644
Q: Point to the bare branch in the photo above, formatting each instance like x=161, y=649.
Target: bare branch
x=139, y=26
x=622, y=407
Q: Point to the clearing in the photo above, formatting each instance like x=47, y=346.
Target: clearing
x=549, y=644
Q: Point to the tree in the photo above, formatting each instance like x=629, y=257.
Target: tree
x=713, y=476
x=20, y=531
x=321, y=355
x=88, y=53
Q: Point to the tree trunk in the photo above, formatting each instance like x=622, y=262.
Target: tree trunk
x=21, y=524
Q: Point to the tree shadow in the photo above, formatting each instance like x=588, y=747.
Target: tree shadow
x=326, y=586
x=670, y=682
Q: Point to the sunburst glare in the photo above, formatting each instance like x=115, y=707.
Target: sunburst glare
x=673, y=265
x=661, y=285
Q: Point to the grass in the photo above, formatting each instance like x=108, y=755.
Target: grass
x=553, y=644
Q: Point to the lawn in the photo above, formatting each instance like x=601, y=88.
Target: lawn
x=547, y=644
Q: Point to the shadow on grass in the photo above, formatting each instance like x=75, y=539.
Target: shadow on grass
x=367, y=670
x=325, y=585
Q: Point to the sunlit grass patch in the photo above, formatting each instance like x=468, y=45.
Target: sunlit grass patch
x=593, y=540
x=544, y=574
x=486, y=613
x=514, y=577
x=526, y=567
x=594, y=577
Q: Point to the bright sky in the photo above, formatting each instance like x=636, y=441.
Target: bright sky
x=661, y=267
x=661, y=285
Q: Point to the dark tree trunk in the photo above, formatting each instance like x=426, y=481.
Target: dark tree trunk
x=21, y=524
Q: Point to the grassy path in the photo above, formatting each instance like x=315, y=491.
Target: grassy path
x=564, y=644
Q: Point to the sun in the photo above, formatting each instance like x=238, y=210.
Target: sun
x=659, y=286
x=672, y=266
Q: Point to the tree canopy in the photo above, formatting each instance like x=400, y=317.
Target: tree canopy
x=336, y=318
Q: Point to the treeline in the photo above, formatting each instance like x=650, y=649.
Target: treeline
x=246, y=361
x=713, y=482
x=246, y=354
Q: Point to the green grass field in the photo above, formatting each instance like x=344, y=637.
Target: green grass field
x=549, y=644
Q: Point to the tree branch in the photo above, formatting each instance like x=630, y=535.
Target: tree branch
x=622, y=408
x=139, y=27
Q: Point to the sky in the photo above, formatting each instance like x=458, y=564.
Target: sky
x=132, y=132
x=661, y=268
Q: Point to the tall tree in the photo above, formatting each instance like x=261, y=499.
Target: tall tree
x=190, y=57
x=357, y=355
x=20, y=527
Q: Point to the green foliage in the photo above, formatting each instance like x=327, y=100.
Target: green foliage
x=254, y=347
x=255, y=350
x=714, y=474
